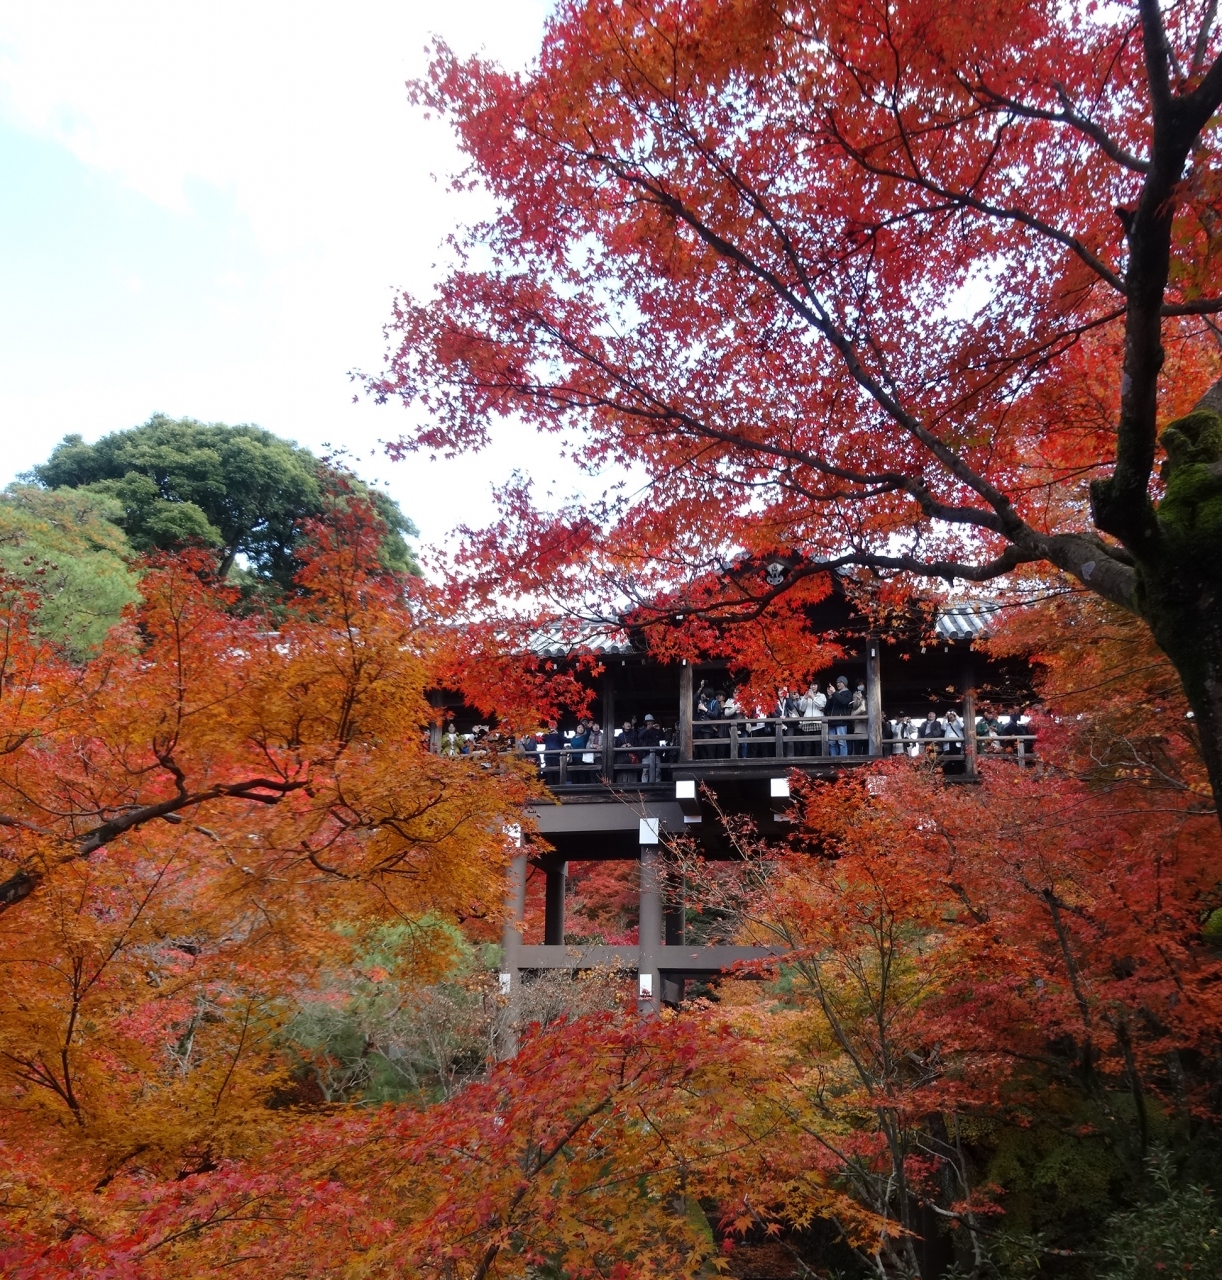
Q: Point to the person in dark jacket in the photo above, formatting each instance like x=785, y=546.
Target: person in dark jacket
x=839, y=708
x=649, y=736
x=930, y=733
x=552, y=742
x=627, y=762
x=1011, y=730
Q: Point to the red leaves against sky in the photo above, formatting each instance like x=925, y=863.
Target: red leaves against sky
x=732, y=249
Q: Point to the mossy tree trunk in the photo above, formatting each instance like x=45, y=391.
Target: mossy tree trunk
x=1179, y=595
x=1174, y=558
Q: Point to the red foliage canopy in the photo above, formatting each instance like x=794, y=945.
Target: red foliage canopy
x=870, y=287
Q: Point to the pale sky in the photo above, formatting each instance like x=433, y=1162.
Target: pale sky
x=205, y=209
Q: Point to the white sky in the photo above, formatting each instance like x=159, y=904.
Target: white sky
x=204, y=210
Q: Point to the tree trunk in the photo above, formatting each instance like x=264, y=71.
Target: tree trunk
x=1179, y=570
x=1182, y=605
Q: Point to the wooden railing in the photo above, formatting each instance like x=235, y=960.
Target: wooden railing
x=741, y=739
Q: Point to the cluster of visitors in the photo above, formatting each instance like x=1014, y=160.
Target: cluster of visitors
x=576, y=756
x=946, y=736
x=482, y=741
x=801, y=715
x=583, y=757
x=641, y=750
x=831, y=719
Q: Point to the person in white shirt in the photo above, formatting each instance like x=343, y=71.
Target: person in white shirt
x=952, y=731
x=810, y=709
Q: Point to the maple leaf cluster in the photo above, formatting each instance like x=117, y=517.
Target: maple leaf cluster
x=973, y=975
x=879, y=289
x=201, y=825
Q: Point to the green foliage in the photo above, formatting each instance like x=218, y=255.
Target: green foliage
x=1211, y=930
x=395, y=554
x=69, y=547
x=1067, y=1170
x=388, y=1039
x=240, y=489
x=1177, y=1232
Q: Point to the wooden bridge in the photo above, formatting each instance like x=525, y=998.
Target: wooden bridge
x=625, y=802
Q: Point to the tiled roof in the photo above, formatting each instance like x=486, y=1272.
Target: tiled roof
x=956, y=622
x=607, y=642
x=965, y=621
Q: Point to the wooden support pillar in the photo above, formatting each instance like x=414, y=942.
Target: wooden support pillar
x=608, y=701
x=874, y=696
x=674, y=908
x=649, y=995
x=685, y=711
x=970, y=744
x=553, y=905
x=511, y=942
x=673, y=928
x=437, y=702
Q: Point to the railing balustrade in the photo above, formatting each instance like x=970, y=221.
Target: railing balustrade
x=761, y=738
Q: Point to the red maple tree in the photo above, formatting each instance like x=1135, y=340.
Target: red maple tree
x=889, y=289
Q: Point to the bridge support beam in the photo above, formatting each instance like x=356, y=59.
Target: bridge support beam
x=649, y=977
x=511, y=949
x=553, y=904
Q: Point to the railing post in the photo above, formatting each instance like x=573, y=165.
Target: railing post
x=563, y=764
x=780, y=738
x=685, y=710
x=733, y=736
x=874, y=697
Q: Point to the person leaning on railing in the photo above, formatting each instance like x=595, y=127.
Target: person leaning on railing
x=861, y=722
x=930, y=733
x=733, y=710
x=839, y=712
x=649, y=736
x=1015, y=736
x=578, y=744
x=708, y=707
x=905, y=737
x=553, y=741
x=988, y=732
x=627, y=762
x=788, y=711
x=593, y=754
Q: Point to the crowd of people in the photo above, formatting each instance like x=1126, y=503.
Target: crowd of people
x=843, y=708
x=946, y=736
x=837, y=716
x=831, y=720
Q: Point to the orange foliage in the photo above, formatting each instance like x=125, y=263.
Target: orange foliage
x=198, y=825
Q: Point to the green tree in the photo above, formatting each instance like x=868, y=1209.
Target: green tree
x=1176, y=1232
x=239, y=489
x=69, y=547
